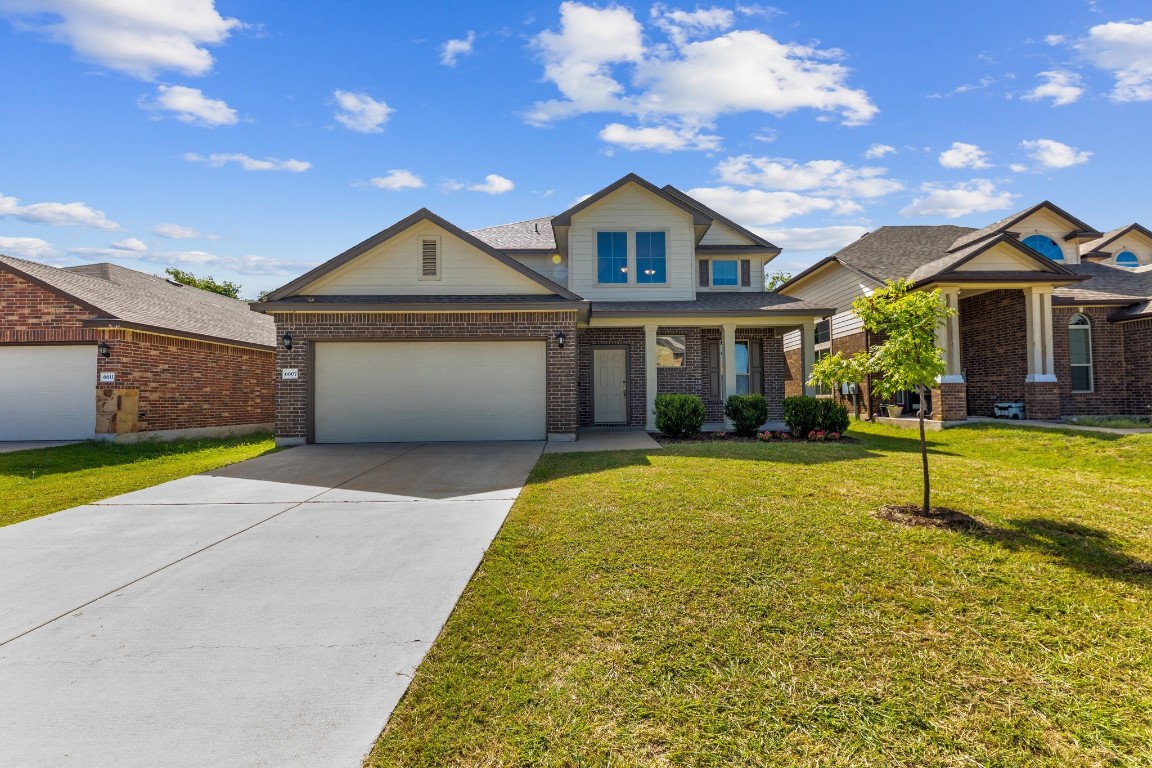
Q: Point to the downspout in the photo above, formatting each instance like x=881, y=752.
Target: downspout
x=868, y=376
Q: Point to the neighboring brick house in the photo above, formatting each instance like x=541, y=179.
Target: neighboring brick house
x=1051, y=313
x=111, y=353
x=534, y=329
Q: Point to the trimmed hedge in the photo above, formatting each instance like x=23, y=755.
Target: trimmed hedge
x=803, y=414
x=747, y=413
x=679, y=415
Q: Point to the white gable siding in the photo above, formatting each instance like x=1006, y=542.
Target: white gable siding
x=718, y=234
x=551, y=266
x=1044, y=222
x=632, y=209
x=1135, y=243
x=834, y=286
x=757, y=269
x=393, y=268
x=791, y=340
x=1000, y=258
x=846, y=324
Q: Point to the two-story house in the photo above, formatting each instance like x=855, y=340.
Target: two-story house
x=534, y=329
x=1050, y=312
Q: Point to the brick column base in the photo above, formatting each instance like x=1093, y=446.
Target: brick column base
x=1042, y=400
x=950, y=401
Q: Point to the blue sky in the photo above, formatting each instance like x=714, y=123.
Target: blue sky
x=251, y=140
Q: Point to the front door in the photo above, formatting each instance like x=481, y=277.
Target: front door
x=610, y=389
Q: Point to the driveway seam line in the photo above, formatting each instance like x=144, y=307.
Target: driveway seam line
x=193, y=554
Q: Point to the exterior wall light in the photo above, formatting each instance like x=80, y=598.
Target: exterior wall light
x=560, y=339
x=287, y=339
x=104, y=350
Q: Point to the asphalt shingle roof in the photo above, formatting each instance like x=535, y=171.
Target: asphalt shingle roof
x=531, y=234
x=135, y=297
x=891, y=253
x=1107, y=284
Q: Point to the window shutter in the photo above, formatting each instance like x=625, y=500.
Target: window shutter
x=755, y=369
x=429, y=257
x=703, y=266
x=713, y=369
x=745, y=272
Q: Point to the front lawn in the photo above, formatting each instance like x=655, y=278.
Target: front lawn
x=736, y=604
x=44, y=480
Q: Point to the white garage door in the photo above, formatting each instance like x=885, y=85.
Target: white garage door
x=47, y=393
x=443, y=390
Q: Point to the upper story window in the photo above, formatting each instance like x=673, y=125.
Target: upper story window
x=725, y=272
x=1080, y=353
x=651, y=258
x=1127, y=259
x=612, y=257
x=1045, y=246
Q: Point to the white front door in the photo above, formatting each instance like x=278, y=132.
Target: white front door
x=49, y=392
x=610, y=374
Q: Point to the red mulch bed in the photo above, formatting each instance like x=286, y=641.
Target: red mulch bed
x=937, y=517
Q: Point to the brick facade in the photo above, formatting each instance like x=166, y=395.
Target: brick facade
x=691, y=379
x=993, y=349
x=292, y=396
x=950, y=402
x=848, y=346
x=1138, y=353
x=177, y=383
x=1112, y=393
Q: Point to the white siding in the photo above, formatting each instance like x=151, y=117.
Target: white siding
x=834, y=286
x=551, y=266
x=1001, y=258
x=718, y=234
x=757, y=275
x=1134, y=242
x=846, y=324
x=393, y=268
x=631, y=209
x=791, y=340
x=1044, y=222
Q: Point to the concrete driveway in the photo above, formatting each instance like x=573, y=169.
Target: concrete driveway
x=270, y=613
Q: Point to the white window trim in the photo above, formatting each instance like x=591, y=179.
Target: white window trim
x=630, y=249
x=712, y=275
x=422, y=239
x=1091, y=364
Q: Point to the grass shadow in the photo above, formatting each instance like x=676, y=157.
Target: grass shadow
x=1007, y=426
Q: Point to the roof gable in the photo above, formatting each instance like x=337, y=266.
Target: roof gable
x=1076, y=227
x=699, y=218
x=721, y=223
x=1116, y=240
x=1003, y=253
x=469, y=267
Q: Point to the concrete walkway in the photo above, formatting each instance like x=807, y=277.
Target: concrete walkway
x=606, y=440
x=267, y=614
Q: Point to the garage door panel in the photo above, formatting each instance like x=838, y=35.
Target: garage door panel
x=435, y=391
x=49, y=393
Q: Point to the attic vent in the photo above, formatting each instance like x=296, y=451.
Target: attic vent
x=429, y=258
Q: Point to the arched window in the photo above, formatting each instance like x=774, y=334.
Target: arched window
x=1080, y=353
x=1127, y=259
x=1045, y=246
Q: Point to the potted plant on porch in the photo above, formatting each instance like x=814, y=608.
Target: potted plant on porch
x=894, y=410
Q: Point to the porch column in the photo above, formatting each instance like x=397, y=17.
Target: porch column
x=948, y=338
x=650, y=382
x=728, y=343
x=807, y=354
x=1041, y=392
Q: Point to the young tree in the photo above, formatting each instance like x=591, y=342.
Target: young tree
x=224, y=288
x=906, y=359
x=775, y=280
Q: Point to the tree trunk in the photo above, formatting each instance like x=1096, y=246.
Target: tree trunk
x=924, y=452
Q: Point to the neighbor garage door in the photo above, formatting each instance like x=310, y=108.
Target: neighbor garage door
x=47, y=393
x=444, y=390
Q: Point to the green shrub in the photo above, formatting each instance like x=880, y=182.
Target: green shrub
x=747, y=413
x=833, y=416
x=679, y=415
x=801, y=414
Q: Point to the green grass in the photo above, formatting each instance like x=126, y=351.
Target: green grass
x=1114, y=422
x=45, y=480
x=736, y=604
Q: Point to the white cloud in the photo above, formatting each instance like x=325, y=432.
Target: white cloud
x=178, y=232
x=56, y=214
x=757, y=207
x=819, y=177
x=1123, y=48
x=975, y=196
x=1018, y=168
x=137, y=37
x=1048, y=153
x=963, y=155
x=190, y=105
x=661, y=138
x=1061, y=86
x=454, y=49
x=397, y=179
x=27, y=248
x=130, y=244
x=493, y=185
x=812, y=238
x=600, y=63
x=360, y=112
x=877, y=151
x=244, y=265
x=249, y=163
